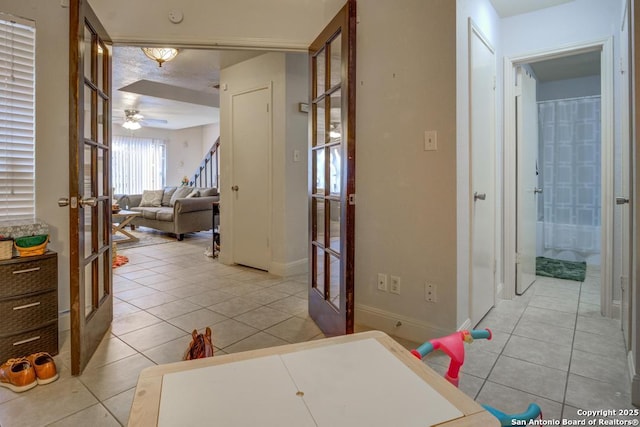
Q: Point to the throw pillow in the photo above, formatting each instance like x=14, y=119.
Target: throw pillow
x=166, y=197
x=206, y=192
x=151, y=198
x=180, y=193
x=194, y=193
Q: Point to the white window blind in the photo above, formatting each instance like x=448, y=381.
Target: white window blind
x=17, y=118
x=138, y=164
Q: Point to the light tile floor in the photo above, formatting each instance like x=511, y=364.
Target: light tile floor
x=550, y=346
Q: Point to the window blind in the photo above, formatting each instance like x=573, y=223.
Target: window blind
x=17, y=118
x=138, y=164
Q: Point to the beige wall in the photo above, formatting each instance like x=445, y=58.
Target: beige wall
x=406, y=197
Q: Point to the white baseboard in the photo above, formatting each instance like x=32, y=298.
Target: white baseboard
x=410, y=329
x=64, y=321
x=635, y=379
x=300, y=266
x=465, y=325
x=616, y=309
x=500, y=291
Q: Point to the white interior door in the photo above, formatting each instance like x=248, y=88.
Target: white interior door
x=251, y=153
x=482, y=94
x=527, y=179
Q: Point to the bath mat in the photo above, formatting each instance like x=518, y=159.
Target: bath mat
x=570, y=270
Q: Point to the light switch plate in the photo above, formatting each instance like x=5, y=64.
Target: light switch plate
x=430, y=140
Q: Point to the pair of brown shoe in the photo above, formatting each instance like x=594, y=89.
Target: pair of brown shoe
x=24, y=373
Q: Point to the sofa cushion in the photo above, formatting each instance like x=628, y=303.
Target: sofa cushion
x=194, y=193
x=151, y=198
x=207, y=192
x=147, y=212
x=165, y=215
x=180, y=193
x=166, y=196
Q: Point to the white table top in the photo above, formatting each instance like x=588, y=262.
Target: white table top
x=363, y=379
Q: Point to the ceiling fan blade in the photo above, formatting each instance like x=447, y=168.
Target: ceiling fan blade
x=154, y=121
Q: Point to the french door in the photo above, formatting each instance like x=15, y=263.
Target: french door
x=89, y=183
x=332, y=177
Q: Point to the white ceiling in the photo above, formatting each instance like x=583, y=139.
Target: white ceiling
x=506, y=8
x=180, y=92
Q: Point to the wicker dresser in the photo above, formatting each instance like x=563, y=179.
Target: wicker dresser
x=28, y=305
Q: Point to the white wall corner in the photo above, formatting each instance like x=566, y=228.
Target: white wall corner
x=409, y=329
x=289, y=268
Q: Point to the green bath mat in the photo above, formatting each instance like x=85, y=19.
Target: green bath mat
x=569, y=270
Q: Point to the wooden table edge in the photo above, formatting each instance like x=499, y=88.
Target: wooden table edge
x=145, y=407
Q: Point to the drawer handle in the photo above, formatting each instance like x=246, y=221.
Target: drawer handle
x=28, y=270
x=22, y=307
x=27, y=340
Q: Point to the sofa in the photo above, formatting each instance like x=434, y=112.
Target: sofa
x=176, y=210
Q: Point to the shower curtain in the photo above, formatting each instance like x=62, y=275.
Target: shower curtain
x=570, y=175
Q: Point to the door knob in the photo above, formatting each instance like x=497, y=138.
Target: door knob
x=63, y=201
x=621, y=201
x=537, y=190
x=235, y=188
x=479, y=196
x=89, y=201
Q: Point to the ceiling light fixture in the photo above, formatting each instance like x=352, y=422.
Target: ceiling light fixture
x=160, y=54
x=131, y=124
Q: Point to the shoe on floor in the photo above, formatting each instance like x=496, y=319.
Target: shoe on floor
x=45, y=367
x=18, y=375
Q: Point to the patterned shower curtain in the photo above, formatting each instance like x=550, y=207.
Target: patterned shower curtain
x=570, y=173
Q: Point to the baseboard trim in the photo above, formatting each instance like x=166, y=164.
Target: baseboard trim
x=635, y=379
x=64, y=321
x=300, y=266
x=398, y=325
x=465, y=325
x=616, y=309
x=500, y=291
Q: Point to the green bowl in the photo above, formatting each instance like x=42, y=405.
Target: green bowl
x=29, y=241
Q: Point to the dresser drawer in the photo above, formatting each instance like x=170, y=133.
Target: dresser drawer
x=20, y=276
x=29, y=342
x=22, y=313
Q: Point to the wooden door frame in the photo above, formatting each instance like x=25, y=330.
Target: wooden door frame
x=607, y=146
x=83, y=338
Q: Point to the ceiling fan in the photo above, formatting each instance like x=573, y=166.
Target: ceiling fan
x=133, y=120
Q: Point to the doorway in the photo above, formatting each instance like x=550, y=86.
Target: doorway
x=600, y=229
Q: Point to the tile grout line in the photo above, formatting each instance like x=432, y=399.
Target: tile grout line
x=573, y=339
x=501, y=351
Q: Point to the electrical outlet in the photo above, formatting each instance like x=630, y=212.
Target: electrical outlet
x=395, y=285
x=430, y=292
x=382, y=282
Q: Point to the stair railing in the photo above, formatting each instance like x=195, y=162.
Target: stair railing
x=208, y=173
